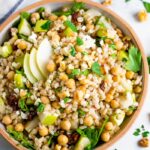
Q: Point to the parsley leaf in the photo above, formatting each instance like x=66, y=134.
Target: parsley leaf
x=79, y=41
x=59, y=89
x=73, y=51
x=81, y=112
x=22, y=105
x=70, y=25
x=147, y=6
x=74, y=73
x=113, y=46
x=93, y=134
x=25, y=15
x=134, y=60
x=84, y=53
x=146, y=134
x=66, y=99
x=41, y=9
x=46, y=25
x=40, y=107
x=96, y=68
x=85, y=72
x=127, y=0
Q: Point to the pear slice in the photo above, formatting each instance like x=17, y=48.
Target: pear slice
x=33, y=65
x=27, y=69
x=43, y=55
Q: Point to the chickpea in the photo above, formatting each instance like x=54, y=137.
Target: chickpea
x=7, y=120
x=56, y=38
x=19, y=127
x=64, y=148
x=116, y=78
x=10, y=75
x=105, y=136
x=109, y=97
x=23, y=93
x=68, y=71
x=78, y=95
x=59, y=59
x=53, y=17
x=51, y=66
x=62, y=94
x=70, y=83
x=82, y=88
x=43, y=131
x=63, y=77
x=57, y=147
x=63, y=18
x=109, y=126
x=88, y=121
x=22, y=45
x=44, y=99
x=142, y=16
x=89, y=26
x=65, y=125
x=78, y=48
x=115, y=71
x=114, y=104
x=129, y=74
x=137, y=89
x=35, y=15
x=62, y=66
x=62, y=139
x=55, y=105
x=119, y=45
x=84, y=81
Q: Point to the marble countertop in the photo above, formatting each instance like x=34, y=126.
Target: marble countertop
x=127, y=11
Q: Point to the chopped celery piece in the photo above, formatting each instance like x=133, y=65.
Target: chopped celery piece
x=20, y=60
x=68, y=32
x=42, y=25
x=102, y=32
x=24, y=27
x=18, y=81
x=2, y=106
x=6, y=50
x=122, y=55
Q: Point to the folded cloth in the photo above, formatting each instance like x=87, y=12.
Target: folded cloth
x=7, y=8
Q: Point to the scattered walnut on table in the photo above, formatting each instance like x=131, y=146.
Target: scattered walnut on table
x=144, y=142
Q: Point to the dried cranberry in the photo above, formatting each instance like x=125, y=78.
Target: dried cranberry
x=75, y=16
x=32, y=114
x=13, y=101
x=102, y=85
x=73, y=138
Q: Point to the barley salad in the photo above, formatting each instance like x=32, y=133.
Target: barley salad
x=68, y=79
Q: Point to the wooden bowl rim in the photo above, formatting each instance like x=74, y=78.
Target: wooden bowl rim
x=139, y=45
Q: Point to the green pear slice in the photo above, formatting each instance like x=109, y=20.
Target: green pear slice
x=2, y=106
x=33, y=65
x=47, y=118
x=27, y=69
x=43, y=55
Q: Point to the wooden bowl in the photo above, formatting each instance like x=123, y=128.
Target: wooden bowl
x=55, y=4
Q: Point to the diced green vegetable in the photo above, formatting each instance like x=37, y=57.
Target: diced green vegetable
x=42, y=25
x=84, y=53
x=2, y=106
x=66, y=99
x=118, y=117
x=20, y=60
x=148, y=60
x=40, y=107
x=82, y=143
x=47, y=118
x=73, y=51
x=96, y=68
x=113, y=46
x=18, y=81
x=30, y=125
x=81, y=112
x=134, y=61
x=69, y=24
x=22, y=105
x=41, y=9
x=24, y=27
x=68, y=32
x=85, y=72
x=122, y=56
x=102, y=32
x=79, y=41
x=6, y=50
x=74, y=73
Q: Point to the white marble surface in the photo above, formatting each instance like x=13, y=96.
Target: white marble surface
x=126, y=11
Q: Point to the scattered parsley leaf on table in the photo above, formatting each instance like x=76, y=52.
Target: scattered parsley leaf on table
x=147, y=6
x=127, y=0
x=134, y=60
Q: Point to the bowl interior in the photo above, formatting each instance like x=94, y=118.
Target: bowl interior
x=56, y=4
